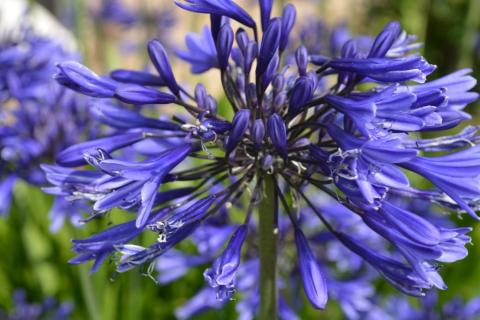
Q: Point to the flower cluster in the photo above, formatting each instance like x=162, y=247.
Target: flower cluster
x=298, y=126
x=47, y=309
x=400, y=308
x=38, y=117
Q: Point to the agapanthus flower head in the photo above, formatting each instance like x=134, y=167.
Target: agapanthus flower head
x=38, y=117
x=299, y=129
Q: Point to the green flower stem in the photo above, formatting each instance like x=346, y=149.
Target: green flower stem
x=80, y=28
x=88, y=293
x=468, y=36
x=268, y=234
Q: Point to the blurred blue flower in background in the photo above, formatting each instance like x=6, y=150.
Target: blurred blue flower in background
x=115, y=12
x=201, y=54
x=47, y=309
x=38, y=117
x=399, y=308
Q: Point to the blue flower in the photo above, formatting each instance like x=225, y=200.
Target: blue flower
x=101, y=245
x=173, y=230
x=63, y=208
x=203, y=300
x=38, y=117
x=266, y=11
x=278, y=134
x=159, y=58
x=136, y=94
x=455, y=308
x=354, y=296
x=114, y=11
x=239, y=127
x=419, y=251
x=140, y=180
x=289, y=16
x=224, y=45
x=222, y=274
x=175, y=264
x=305, y=125
x=202, y=53
x=75, y=76
x=258, y=132
x=6, y=191
x=385, y=40
x=301, y=93
x=121, y=118
x=314, y=283
x=268, y=47
x=137, y=77
x=74, y=156
x=226, y=8
x=48, y=308
x=400, y=275
x=387, y=70
x=455, y=174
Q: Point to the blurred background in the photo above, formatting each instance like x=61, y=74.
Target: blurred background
x=35, y=259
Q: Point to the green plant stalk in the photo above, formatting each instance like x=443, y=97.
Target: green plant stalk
x=468, y=38
x=80, y=26
x=88, y=293
x=268, y=234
